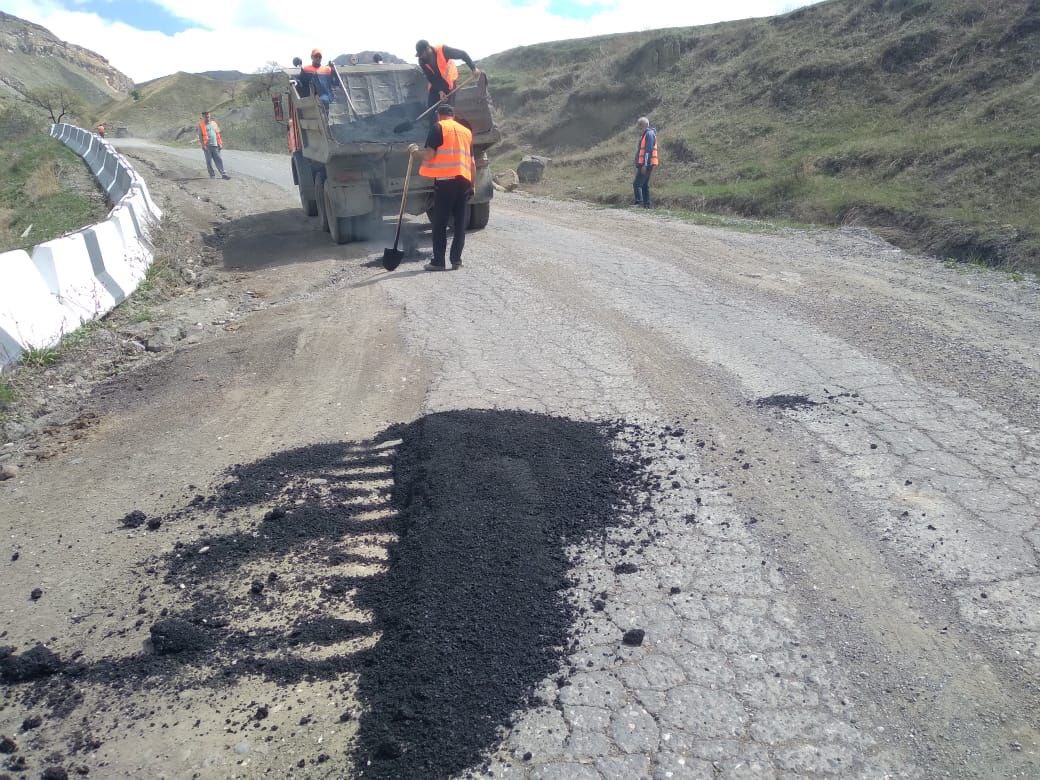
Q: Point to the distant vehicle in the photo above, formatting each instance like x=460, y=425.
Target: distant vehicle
x=348, y=162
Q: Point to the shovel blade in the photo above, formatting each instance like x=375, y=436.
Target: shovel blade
x=392, y=258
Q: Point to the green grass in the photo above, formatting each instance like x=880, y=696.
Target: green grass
x=34, y=169
x=40, y=357
x=826, y=115
x=7, y=394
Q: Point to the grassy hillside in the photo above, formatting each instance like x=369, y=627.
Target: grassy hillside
x=168, y=109
x=918, y=118
x=45, y=188
x=31, y=57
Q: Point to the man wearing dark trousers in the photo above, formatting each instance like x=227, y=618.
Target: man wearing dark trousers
x=646, y=161
x=448, y=160
x=437, y=64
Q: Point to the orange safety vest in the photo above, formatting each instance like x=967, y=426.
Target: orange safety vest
x=321, y=70
x=641, y=156
x=205, y=135
x=448, y=70
x=454, y=157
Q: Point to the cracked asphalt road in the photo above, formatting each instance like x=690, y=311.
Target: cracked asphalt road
x=849, y=588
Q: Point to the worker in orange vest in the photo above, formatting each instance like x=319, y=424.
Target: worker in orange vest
x=437, y=64
x=448, y=160
x=212, y=144
x=317, y=79
x=646, y=161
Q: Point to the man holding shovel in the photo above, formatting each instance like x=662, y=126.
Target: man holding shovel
x=448, y=160
x=437, y=64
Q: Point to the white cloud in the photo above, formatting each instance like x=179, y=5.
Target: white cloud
x=244, y=34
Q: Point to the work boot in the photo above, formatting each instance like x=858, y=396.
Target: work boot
x=456, y=265
x=435, y=267
x=224, y=176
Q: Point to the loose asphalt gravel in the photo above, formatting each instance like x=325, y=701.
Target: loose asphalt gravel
x=624, y=497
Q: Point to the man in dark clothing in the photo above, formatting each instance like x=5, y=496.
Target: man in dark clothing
x=646, y=161
x=316, y=79
x=438, y=66
x=448, y=160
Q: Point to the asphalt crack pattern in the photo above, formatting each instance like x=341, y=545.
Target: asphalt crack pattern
x=724, y=673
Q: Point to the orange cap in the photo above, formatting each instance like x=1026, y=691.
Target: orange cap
x=315, y=52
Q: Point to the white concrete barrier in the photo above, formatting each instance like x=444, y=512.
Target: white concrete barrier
x=82, y=275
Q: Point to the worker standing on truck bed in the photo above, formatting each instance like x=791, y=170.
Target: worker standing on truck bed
x=317, y=79
x=448, y=160
x=440, y=70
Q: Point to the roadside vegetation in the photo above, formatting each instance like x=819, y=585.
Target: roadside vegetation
x=168, y=109
x=45, y=188
x=918, y=119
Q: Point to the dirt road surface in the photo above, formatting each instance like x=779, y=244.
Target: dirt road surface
x=820, y=559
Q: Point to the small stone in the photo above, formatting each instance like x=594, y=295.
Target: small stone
x=36, y=594
x=8, y=745
x=261, y=712
x=256, y=588
x=527, y=756
x=8, y=471
x=134, y=519
x=54, y=773
x=243, y=748
x=32, y=722
x=633, y=637
x=153, y=523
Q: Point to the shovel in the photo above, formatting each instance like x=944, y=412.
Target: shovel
x=406, y=126
x=392, y=257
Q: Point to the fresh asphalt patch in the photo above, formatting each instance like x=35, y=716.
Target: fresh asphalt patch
x=423, y=573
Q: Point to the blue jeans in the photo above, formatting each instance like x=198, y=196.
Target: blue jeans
x=641, y=186
x=213, y=158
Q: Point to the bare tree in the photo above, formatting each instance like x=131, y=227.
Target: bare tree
x=231, y=88
x=269, y=74
x=58, y=102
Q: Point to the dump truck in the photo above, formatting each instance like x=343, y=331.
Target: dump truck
x=349, y=158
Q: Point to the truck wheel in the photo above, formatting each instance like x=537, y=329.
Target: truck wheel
x=479, y=213
x=319, y=196
x=302, y=175
x=310, y=206
x=339, y=227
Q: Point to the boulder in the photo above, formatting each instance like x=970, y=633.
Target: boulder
x=506, y=180
x=531, y=168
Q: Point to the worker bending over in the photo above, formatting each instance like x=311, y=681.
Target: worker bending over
x=448, y=160
x=437, y=63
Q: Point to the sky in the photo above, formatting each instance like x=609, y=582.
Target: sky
x=150, y=38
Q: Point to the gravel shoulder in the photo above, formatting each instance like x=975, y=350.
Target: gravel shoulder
x=834, y=564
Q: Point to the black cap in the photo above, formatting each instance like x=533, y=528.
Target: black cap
x=421, y=46
x=446, y=109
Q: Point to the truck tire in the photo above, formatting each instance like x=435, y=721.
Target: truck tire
x=339, y=227
x=319, y=196
x=310, y=207
x=479, y=214
x=301, y=175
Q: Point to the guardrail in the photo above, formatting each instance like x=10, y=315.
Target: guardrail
x=82, y=275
